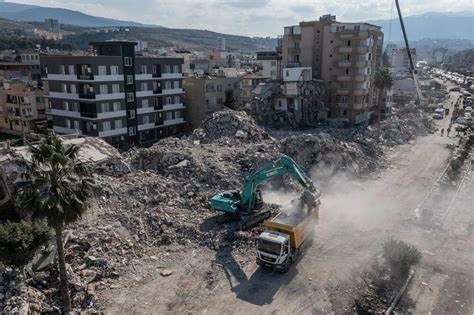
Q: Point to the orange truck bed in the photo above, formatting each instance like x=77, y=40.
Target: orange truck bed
x=298, y=224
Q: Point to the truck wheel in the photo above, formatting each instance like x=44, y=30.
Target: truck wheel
x=286, y=267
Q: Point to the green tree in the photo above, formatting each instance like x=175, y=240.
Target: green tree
x=385, y=60
x=229, y=99
x=19, y=241
x=58, y=189
x=383, y=81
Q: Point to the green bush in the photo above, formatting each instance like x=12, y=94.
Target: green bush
x=19, y=241
x=400, y=257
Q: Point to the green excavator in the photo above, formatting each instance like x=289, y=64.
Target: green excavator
x=245, y=204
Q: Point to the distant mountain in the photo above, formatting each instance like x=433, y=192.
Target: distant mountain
x=22, y=12
x=435, y=25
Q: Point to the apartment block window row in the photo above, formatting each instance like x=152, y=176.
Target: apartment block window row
x=72, y=124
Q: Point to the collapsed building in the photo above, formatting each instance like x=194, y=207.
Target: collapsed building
x=295, y=101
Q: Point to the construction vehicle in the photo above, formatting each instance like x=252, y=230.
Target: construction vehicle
x=413, y=71
x=244, y=205
x=281, y=242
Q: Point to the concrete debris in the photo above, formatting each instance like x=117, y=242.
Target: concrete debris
x=161, y=204
x=229, y=124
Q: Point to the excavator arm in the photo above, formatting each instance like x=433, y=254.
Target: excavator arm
x=283, y=165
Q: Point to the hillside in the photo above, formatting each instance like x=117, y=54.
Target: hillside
x=458, y=25
x=20, y=12
x=182, y=38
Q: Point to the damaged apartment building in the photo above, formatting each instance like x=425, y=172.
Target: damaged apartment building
x=296, y=100
x=345, y=56
x=113, y=94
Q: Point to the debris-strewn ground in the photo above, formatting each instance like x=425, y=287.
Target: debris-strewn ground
x=162, y=205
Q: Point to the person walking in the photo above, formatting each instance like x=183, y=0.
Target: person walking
x=448, y=131
x=442, y=132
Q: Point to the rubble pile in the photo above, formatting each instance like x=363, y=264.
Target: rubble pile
x=405, y=124
x=229, y=124
x=324, y=151
x=156, y=199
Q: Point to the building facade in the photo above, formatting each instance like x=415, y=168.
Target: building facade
x=399, y=60
x=22, y=108
x=126, y=99
x=345, y=56
x=207, y=94
x=270, y=63
x=248, y=83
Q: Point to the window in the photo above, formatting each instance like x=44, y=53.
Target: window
x=169, y=116
x=145, y=103
x=71, y=69
x=63, y=88
x=287, y=73
x=131, y=114
x=104, y=89
x=62, y=69
x=66, y=106
x=118, y=124
x=68, y=123
x=117, y=106
x=131, y=131
x=219, y=87
x=347, y=71
x=144, y=86
x=177, y=99
x=146, y=119
x=76, y=124
x=102, y=70
x=130, y=97
x=179, y=114
x=106, y=125
x=143, y=69
x=104, y=107
x=175, y=69
x=176, y=85
x=348, y=43
x=115, y=88
x=357, y=27
x=75, y=107
x=128, y=61
x=167, y=69
x=114, y=70
x=168, y=85
x=347, y=57
x=129, y=79
x=169, y=100
x=73, y=88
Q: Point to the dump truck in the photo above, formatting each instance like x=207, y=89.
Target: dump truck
x=281, y=242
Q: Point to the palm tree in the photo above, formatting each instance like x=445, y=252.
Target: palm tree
x=383, y=81
x=57, y=189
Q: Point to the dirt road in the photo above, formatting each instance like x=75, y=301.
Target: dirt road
x=356, y=217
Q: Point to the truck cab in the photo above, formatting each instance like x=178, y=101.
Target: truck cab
x=274, y=250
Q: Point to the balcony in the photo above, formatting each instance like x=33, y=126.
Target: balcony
x=294, y=36
x=88, y=76
x=340, y=105
x=159, y=122
x=294, y=51
x=88, y=115
x=293, y=64
x=362, y=64
x=360, y=92
x=344, y=64
x=361, y=78
x=363, y=49
x=343, y=78
x=87, y=95
x=158, y=91
x=342, y=91
x=344, y=49
x=156, y=75
x=360, y=106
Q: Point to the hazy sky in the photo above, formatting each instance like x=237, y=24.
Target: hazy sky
x=248, y=17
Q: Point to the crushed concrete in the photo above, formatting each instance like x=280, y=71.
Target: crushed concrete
x=162, y=202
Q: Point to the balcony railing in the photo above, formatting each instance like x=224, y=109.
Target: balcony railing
x=88, y=76
x=88, y=95
x=88, y=115
x=294, y=64
x=158, y=91
x=159, y=122
x=156, y=75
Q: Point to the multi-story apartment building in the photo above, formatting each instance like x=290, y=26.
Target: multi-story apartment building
x=344, y=55
x=207, y=94
x=22, y=108
x=113, y=94
x=270, y=62
x=399, y=61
